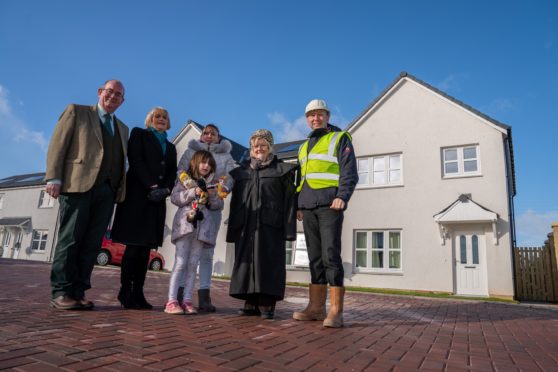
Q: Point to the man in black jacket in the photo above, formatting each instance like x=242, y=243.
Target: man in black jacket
x=329, y=176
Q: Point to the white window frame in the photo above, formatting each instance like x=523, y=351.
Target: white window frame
x=36, y=244
x=2, y=197
x=387, y=171
x=461, y=162
x=386, y=250
x=45, y=200
x=299, y=245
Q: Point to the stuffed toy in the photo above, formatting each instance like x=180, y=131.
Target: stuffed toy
x=195, y=214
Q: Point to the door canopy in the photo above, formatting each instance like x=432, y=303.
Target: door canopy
x=465, y=211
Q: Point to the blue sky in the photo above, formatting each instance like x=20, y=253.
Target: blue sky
x=251, y=64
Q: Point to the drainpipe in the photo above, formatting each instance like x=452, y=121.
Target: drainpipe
x=511, y=212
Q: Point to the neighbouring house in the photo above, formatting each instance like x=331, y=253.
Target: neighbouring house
x=433, y=209
x=28, y=218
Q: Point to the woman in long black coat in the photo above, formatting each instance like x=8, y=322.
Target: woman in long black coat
x=140, y=220
x=262, y=217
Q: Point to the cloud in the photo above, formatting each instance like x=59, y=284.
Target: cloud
x=14, y=128
x=25, y=135
x=288, y=130
x=449, y=84
x=533, y=227
x=297, y=129
x=501, y=105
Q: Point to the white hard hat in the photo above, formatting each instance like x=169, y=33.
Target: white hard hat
x=316, y=104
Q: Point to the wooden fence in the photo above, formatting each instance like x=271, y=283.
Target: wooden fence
x=536, y=273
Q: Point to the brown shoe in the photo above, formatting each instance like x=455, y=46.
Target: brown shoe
x=85, y=304
x=64, y=303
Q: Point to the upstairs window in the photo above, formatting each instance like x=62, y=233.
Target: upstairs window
x=383, y=170
x=45, y=200
x=461, y=161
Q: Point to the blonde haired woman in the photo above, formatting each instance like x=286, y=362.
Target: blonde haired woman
x=139, y=221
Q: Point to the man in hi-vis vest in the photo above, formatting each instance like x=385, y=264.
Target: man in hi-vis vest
x=329, y=175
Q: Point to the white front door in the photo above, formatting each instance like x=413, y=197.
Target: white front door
x=470, y=263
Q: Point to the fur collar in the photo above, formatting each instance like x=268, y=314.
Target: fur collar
x=222, y=147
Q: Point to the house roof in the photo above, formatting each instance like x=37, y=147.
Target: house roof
x=464, y=209
x=287, y=150
x=404, y=75
x=29, y=179
x=237, y=149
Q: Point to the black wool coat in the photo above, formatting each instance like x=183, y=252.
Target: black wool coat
x=139, y=221
x=262, y=217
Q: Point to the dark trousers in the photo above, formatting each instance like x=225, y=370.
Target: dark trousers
x=322, y=230
x=134, y=267
x=84, y=218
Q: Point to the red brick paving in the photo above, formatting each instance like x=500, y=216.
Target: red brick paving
x=395, y=333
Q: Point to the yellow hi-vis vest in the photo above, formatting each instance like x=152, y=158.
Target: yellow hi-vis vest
x=320, y=168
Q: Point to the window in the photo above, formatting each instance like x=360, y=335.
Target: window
x=475, y=248
x=2, y=200
x=297, y=255
x=6, y=239
x=39, y=240
x=378, y=250
x=46, y=201
x=461, y=161
x=381, y=170
x=463, y=249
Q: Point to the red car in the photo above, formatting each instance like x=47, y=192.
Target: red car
x=111, y=253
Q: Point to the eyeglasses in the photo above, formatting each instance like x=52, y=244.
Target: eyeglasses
x=109, y=92
x=210, y=133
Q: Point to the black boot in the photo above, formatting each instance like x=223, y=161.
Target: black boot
x=140, y=271
x=204, y=301
x=125, y=298
x=126, y=276
x=266, y=305
x=139, y=299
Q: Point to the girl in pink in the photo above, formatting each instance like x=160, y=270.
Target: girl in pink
x=194, y=227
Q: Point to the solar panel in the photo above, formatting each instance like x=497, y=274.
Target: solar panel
x=32, y=178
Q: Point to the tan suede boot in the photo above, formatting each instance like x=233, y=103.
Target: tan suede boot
x=316, y=309
x=335, y=316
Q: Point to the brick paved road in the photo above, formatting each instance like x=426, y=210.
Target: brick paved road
x=381, y=333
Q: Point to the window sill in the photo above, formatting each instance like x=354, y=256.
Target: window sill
x=365, y=187
x=461, y=175
x=297, y=268
x=378, y=272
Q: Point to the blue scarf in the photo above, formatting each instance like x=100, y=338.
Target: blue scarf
x=161, y=137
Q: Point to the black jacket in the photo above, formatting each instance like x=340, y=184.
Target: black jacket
x=309, y=198
x=139, y=221
x=262, y=217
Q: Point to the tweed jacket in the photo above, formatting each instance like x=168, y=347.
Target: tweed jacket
x=75, y=151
